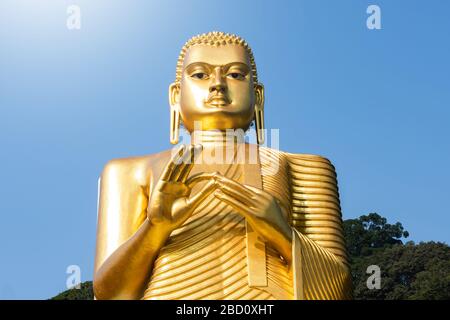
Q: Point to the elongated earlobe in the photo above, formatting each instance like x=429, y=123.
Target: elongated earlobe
x=259, y=122
x=259, y=113
x=174, y=113
x=174, y=126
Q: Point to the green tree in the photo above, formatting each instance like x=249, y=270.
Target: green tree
x=408, y=272
x=370, y=232
x=84, y=293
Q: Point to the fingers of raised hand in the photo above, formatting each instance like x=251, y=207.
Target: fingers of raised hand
x=181, y=163
x=182, y=171
x=176, y=156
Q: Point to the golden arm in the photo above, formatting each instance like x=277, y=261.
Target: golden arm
x=139, y=227
x=317, y=218
x=126, y=245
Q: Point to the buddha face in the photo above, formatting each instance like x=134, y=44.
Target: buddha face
x=216, y=88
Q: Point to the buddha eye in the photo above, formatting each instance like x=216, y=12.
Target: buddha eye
x=236, y=76
x=200, y=76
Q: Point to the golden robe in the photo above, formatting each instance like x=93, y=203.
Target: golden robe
x=208, y=256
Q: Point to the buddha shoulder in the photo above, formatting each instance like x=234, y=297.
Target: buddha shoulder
x=296, y=159
x=137, y=170
x=309, y=160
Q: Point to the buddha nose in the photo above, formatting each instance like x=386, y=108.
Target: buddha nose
x=218, y=82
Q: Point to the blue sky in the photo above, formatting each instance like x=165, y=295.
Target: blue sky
x=376, y=102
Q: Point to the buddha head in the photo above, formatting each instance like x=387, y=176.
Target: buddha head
x=216, y=86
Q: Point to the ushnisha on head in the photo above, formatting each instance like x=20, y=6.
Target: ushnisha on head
x=216, y=86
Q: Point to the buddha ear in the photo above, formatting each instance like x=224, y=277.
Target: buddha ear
x=259, y=96
x=259, y=112
x=174, y=98
x=174, y=94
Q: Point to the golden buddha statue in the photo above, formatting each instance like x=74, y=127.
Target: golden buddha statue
x=219, y=218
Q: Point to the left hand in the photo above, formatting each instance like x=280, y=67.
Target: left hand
x=261, y=210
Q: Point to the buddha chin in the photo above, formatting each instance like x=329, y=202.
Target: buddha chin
x=217, y=118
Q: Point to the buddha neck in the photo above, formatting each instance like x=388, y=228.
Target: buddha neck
x=225, y=147
x=216, y=137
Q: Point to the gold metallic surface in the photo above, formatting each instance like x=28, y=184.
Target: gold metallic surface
x=258, y=224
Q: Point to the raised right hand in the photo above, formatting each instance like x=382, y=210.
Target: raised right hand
x=170, y=204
